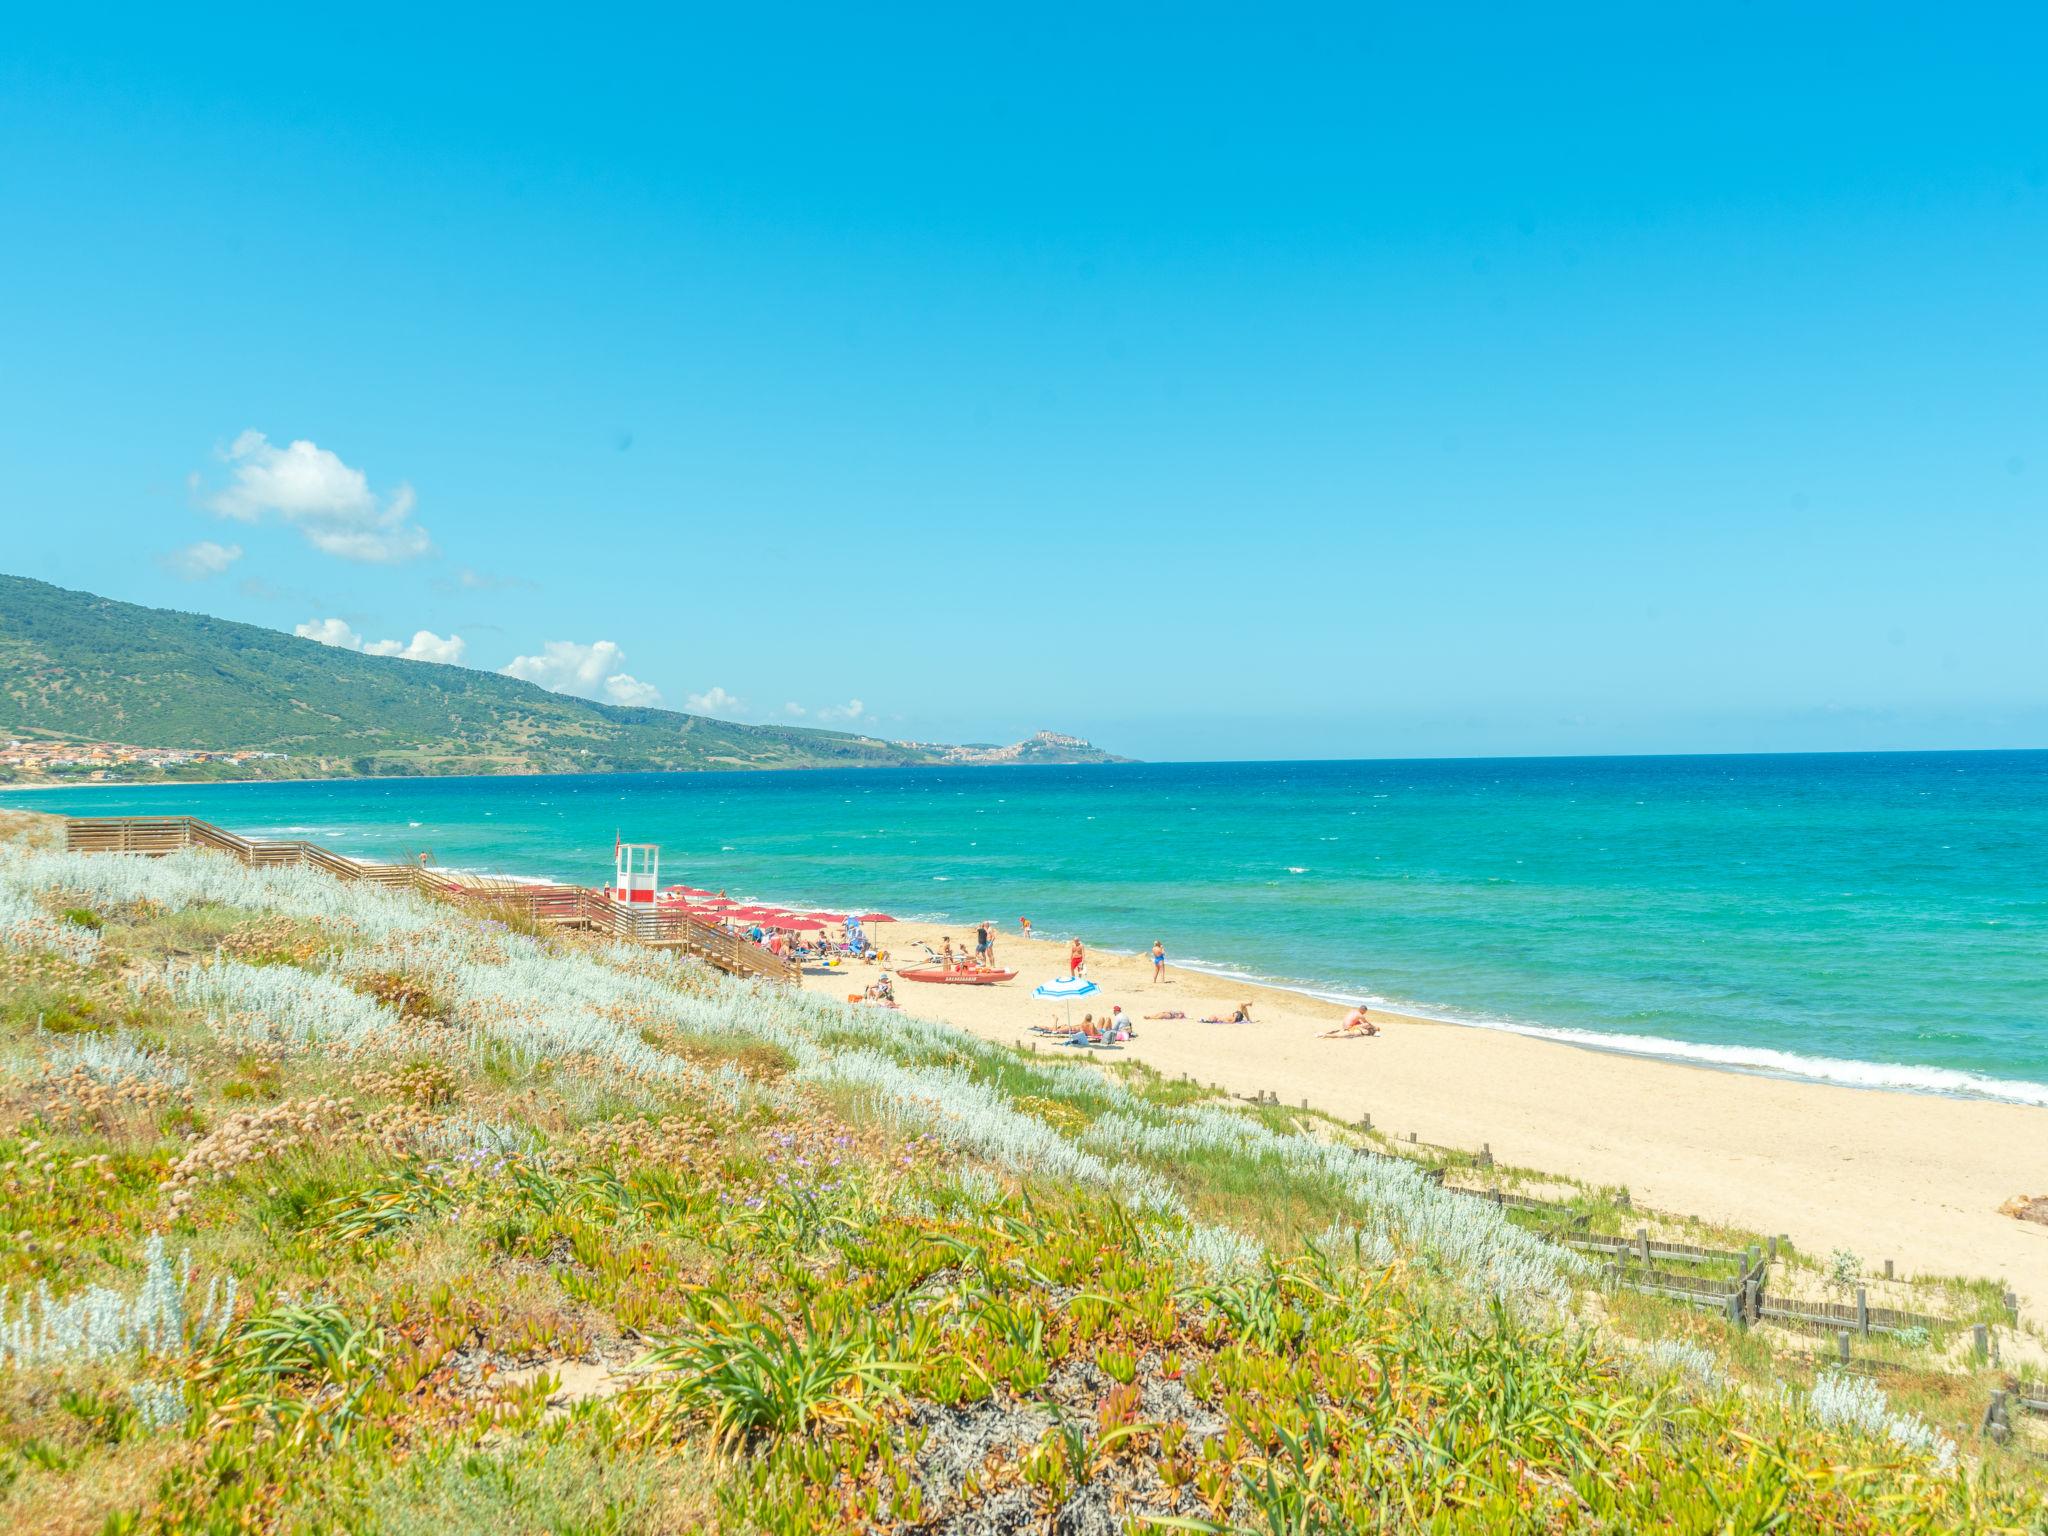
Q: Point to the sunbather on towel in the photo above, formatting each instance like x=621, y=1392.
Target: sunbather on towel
x=1356, y=1026
x=1056, y=1027
x=1241, y=1014
x=1171, y=1013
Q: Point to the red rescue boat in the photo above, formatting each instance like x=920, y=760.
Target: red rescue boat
x=957, y=978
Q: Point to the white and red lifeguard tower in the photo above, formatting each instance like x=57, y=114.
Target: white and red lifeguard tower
x=639, y=869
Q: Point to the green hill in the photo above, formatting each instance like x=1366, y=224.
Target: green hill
x=76, y=667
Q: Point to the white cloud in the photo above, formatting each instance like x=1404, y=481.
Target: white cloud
x=715, y=701
x=196, y=562
x=425, y=645
x=595, y=671
x=794, y=710
x=852, y=709
x=329, y=503
x=330, y=632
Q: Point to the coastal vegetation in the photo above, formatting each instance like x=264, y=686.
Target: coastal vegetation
x=80, y=668
x=332, y=1209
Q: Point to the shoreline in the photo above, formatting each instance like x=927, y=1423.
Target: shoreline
x=1916, y=1079
x=1842, y=1071
x=1913, y=1176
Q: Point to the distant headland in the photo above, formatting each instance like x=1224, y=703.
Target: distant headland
x=94, y=690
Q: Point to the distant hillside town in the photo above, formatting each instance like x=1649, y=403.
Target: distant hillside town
x=96, y=760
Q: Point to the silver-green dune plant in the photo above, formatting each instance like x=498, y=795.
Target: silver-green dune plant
x=104, y=1322
x=1857, y=1404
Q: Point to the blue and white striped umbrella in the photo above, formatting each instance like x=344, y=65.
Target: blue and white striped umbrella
x=1064, y=988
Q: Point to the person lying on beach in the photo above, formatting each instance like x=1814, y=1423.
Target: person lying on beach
x=1171, y=1013
x=1356, y=1026
x=1056, y=1027
x=1241, y=1014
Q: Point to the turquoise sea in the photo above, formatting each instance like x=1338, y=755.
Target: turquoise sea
x=1874, y=919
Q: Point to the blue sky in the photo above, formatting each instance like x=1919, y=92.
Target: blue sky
x=1333, y=382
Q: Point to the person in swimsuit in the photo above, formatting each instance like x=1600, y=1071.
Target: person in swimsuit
x=1241, y=1014
x=1024, y=926
x=1356, y=1026
x=1174, y=1013
x=1076, y=957
x=1158, y=960
x=946, y=952
x=981, y=944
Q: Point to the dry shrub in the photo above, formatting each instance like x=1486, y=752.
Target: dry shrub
x=407, y=996
x=250, y=1136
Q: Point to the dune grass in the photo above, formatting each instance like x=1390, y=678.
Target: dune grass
x=330, y=1210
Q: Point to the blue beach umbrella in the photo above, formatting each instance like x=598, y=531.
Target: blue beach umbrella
x=1064, y=989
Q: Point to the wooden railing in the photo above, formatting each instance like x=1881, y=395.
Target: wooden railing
x=561, y=905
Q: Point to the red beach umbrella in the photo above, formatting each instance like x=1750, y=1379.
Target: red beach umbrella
x=805, y=924
x=876, y=917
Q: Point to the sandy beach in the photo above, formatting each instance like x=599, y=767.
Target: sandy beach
x=1911, y=1177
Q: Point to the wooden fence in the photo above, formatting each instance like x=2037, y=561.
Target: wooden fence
x=569, y=906
x=1855, y=1317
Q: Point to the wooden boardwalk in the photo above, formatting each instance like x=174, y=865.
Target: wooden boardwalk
x=565, y=906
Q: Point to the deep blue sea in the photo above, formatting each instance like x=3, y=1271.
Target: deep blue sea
x=1875, y=919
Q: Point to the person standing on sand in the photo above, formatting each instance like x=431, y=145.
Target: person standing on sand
x=988, y=931
x=1024, y=926
x=1158, y=961
x=1076, y=958
x=981, y=944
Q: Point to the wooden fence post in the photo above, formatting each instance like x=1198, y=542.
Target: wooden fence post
x=1980, y=1344
x=1643, y=1244
x=1486, y=1154
x=1862, y=1311
x=1996, y=1425
x=1842, y=1346
x=1887, y=1269
x=1774, y=1248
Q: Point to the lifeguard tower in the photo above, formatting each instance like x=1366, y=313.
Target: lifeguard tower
x=639, y=868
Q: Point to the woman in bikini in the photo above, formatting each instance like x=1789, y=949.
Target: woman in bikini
x=1241, y=1014
x=1076, y=957
x=1158, y=960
